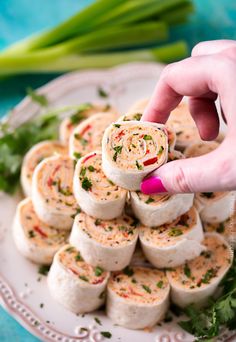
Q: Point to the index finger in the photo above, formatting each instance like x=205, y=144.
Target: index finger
x=194, y=76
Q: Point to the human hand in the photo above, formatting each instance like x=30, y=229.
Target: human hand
x=209, y=72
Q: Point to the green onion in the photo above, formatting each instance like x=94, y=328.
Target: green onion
x=104, y=26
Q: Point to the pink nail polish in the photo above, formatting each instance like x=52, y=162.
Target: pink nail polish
x=152, y=185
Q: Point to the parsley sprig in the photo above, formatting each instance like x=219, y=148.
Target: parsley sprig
x=205, y=323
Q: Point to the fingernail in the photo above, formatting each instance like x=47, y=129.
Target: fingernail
x=152, y=185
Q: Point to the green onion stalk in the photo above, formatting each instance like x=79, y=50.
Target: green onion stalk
x=52, y=63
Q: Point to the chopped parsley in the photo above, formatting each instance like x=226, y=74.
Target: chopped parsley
x=149, y=200
x=98, y=271
x=43, y=269
x=97, y=222
x=37, y=98
x=147, y=137
x=117, y=150
x=187, y=271
x=211, y=273
x=128, y=271
x=91, y=168
x=160, y=150
x=31, y=234
x=139, y=167
x=106, y=334
x=83, y=171
x=70, y=249
x=175, y=232
x=78, y=115
x=116, y=125
x=147, y=288
x=97, y=320
x=221, y=228
x=137, y=116
x=83, y=278
x=78, y=257
x=110, y=181
x=160, y=284
x=86, y=184
x=207, y=194
x=102, y=92
x=77, y=155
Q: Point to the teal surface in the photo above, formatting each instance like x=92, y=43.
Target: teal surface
x=19, y=18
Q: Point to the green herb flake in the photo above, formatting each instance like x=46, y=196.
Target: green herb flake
x=147, y=288
x=116, y=125
x=211, y=273
x=77, y=155
x=149, y=200
x=91, y=168
x=128, y=271
x=43, y=269
x=98, y=271
x=78, y=257
x=221, y=228
x=97, y=320
x=139, y=167
x=97, y=222
x=147, y=137
x=86, y=184
x=160, y=284
x=175, y=232
x=161, y=149
x=106, y=334
x=117, y=150
x=37, y=98
x=31, y=234
x=137, y=116
x=84, y=278
x=102, y=92
x=207, y=194
x=187, y=270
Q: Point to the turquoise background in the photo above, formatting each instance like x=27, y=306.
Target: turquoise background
x=214, y=19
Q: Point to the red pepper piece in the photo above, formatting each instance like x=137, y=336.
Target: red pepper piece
x=39, y=230
x=98, y=281
x=56, y=169
x=150, y=161
x=49, y=181
x=88, y=157
x=85, y=129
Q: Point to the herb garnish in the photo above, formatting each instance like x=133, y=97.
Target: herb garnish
x=97, y=320
x=205, y=323
x=160, y=284
x=175, y=232
x=128, y=271
x=37, y=98
x=117, y=150
x=149, y=200
x=91, y=168
x=106, y=334
x=83, y=278
x=77, y=155
x=139, y=167
x=147, y=288
x=116, y=125
x=102, y=92
x=147, y=137
x=43, y=269
x=86, y=184
x=187, y=270
x=98, y=271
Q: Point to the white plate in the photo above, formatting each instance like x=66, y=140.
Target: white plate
x=20, y=291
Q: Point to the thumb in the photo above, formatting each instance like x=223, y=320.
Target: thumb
x=211, y=172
